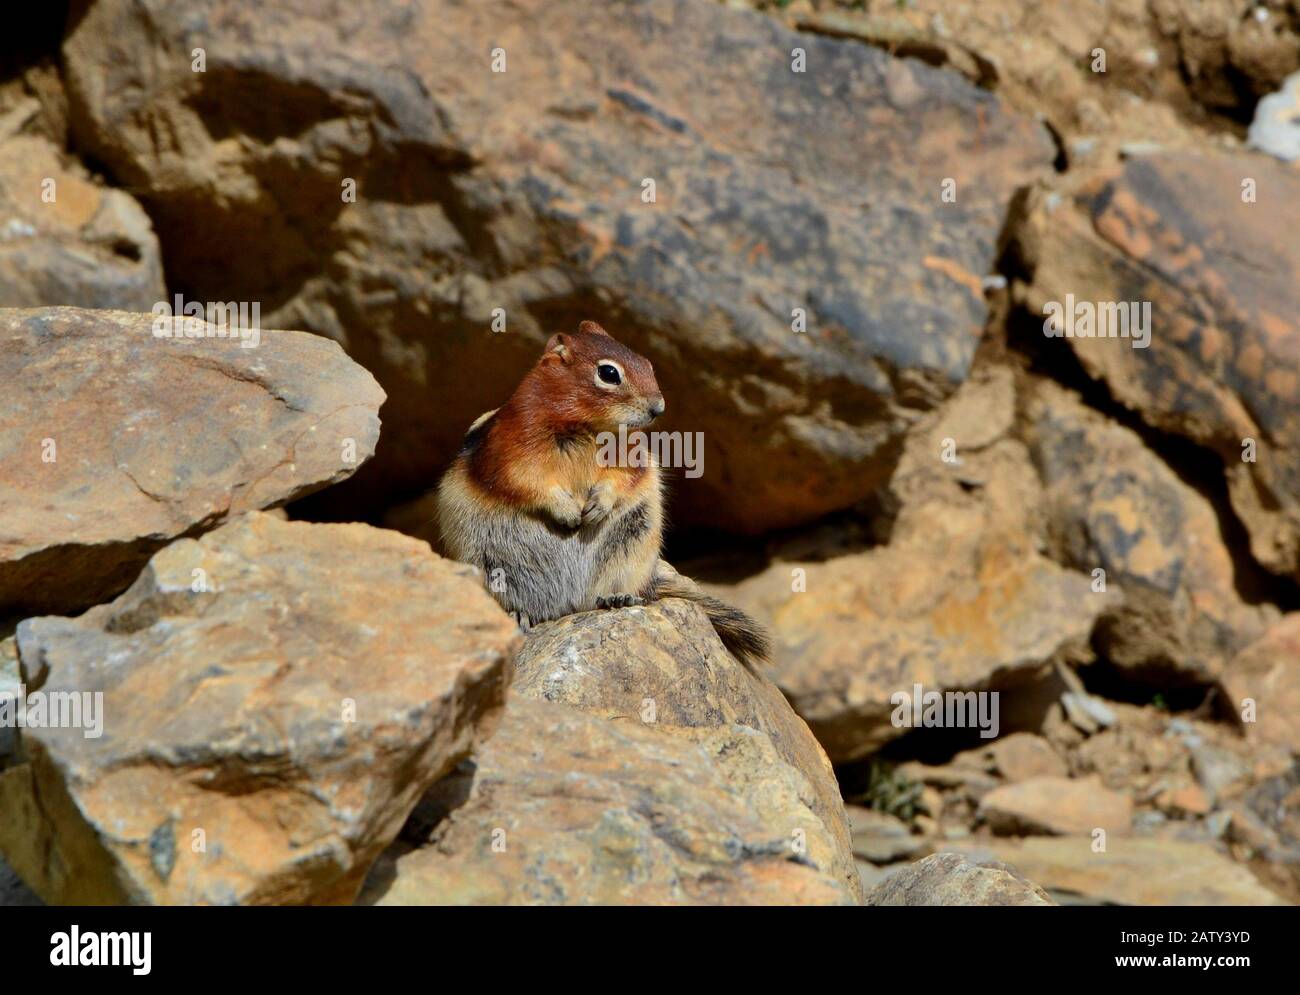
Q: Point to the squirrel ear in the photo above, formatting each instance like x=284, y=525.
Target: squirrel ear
x=591, y=328
x=558, y=346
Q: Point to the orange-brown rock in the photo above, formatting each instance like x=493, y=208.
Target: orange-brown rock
x=1056, y=805
x=1023, y=755
x=114, y=441
x=1185, y=800
x=276, y=696
x=797, y=274
x=1208, y=241
x=1268, y=674
x=1113, y=506
x=67, y=240
x=665, y=662
x=566, y=807
x=959, y=598
x=637, y=762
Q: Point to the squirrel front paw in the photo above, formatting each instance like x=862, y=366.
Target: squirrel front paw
x=600, y=502
x=564, y=508
x=620, y=601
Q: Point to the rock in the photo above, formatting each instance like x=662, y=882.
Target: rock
x=67, y=240
x=1265, y=823
x=13, y=891
x=779, y=196
x=1175, y=59
x=873, y=875
x=901, y=39
x=664, y=665
x=931, y=802
x=951, y=879
x=637, y=763
x=32, y=97
x=1228, y=57
x=973, y=781
x=879, y=838
x=959, y=599
x=1184, y=765
x=1086, y=713
x=94, y=478
x=1056, y=805
x=1114, y=506
x=1275, y=129
x=1222, y=368
x=1023, y=755
x=1035, y=705
x=562, y=807
x=1185, y=800
x=264, y=740
x=10, y=685
x=1268, y=674
x=1132, y=870
x=1218, y=771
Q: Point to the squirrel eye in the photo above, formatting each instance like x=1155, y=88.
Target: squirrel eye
x=608, y=374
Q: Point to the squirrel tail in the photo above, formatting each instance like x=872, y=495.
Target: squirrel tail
x=743, y=637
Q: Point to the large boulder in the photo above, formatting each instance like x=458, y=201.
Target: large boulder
x=856, y=191
x=272, y=700
x=563, y=807
x=114, y=441
x=65, y=239
x=1262, y=684
x=960, y=598
x=1209, y=242
x=1114, y=506
x=638, y=763
x=1182, y=67
x=666, y=658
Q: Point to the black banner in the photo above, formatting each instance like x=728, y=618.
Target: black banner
x=919, y=945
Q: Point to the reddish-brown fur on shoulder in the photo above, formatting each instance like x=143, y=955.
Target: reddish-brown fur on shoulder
x=555, y=406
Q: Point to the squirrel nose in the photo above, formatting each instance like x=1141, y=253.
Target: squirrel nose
x=656, y=406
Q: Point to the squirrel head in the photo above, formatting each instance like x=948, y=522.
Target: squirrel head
x=593, y=382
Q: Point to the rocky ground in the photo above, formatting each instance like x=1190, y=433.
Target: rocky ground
x=913, y=486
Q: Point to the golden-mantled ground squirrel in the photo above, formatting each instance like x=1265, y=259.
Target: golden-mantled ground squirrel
x=554, y=531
